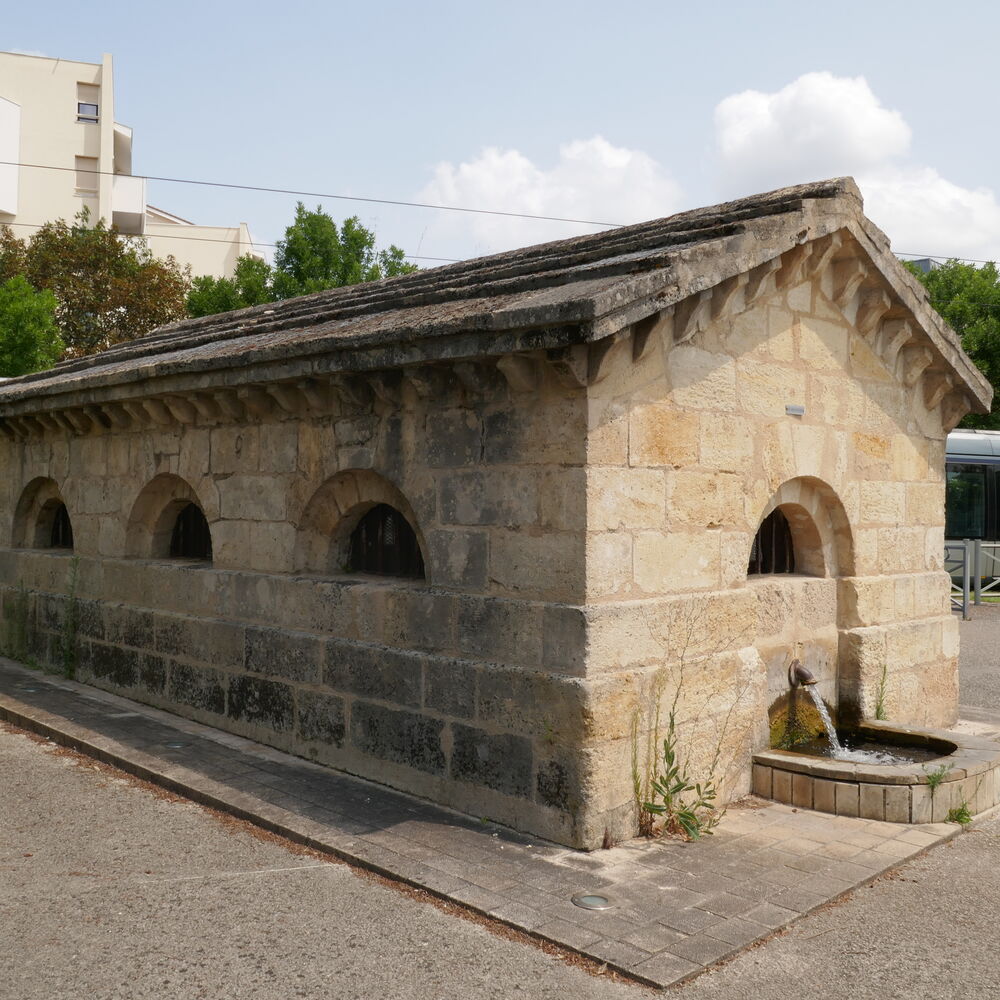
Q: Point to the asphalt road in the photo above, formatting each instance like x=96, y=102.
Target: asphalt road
x=108, y=890
x=979, y=663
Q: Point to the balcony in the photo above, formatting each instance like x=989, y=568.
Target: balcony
x=128, y=204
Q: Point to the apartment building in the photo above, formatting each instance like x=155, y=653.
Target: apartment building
x=61, y=150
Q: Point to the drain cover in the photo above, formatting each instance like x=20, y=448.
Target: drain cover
x=592, y=901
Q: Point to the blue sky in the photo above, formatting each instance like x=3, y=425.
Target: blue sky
x=603, y=111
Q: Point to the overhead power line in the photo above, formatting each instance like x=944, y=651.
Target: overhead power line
x=319, y=194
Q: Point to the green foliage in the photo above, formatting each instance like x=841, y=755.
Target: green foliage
x=880, y=708
x=936, y=775
x=687, y=815
x=968, y=297
x=959, y=814
x=29, y=338
x=315, y=255
x=108, y=288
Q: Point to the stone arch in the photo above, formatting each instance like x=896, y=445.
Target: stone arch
x=322, y=542
x=36, y=512
x=154, y=514
x=821, y=532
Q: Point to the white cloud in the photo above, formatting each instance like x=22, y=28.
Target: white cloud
x=821, y=125
x=592, y=180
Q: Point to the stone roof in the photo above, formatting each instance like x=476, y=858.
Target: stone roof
x=544, y=298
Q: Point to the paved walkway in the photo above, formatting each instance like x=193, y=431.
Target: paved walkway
x=678, y=908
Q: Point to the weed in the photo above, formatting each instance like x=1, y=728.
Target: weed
x=71, y=621
x=959, y=814
x=880, y=709
x=936, y=775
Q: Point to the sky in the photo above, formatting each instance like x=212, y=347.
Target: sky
x=602, y=112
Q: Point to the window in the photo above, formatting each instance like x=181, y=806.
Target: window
x=384, y=543
x=61, y=533
x=190, y=538
x=86, y=175
x=86, y=112
x=965, y=501
x=772, y=550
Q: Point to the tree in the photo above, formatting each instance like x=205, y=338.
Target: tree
x=108, y=288
x=968, y=297
x=29, y=338
x=315, y=255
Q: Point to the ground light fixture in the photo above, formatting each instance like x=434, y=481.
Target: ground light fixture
x=592, y=901
x=175, y=745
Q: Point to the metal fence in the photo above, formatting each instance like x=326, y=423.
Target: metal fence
x=974, y=568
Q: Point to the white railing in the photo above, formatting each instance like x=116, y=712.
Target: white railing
x=969, y=563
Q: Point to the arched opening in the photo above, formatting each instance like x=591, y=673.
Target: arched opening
x=190, y=538
x=359, y=522
x=61, y=531
x=772, y=550
x=384, y=543
x=168, y=521
x=41, y=520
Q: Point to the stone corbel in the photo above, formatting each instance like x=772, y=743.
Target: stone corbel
x=760, y=280
x=937, y=385
x=692, y=315
x=79, y=421
x=823, y=252
x=98, y=417
x=353, y=391
x=63, y=421
x=117, y=416
x=520, y=372
x=571, y=365
x=257, y=402
x=7, y=430
x=158, y=412
x=205, y=405
x=478, y=379
x=873, y=304
x=181, y=409
x=317, y=395
x=230, y=405
x=848, y=275
x=913, y=362
x=49, y=422
x=287, y=397
x=659, y=324
x=954, y=406
x=387, y=386
x=893, y=336
x=722, y=294
x=792, y=268
x=429, y=381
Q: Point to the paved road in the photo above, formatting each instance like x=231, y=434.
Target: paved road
x=979, y=672
x=110, y=891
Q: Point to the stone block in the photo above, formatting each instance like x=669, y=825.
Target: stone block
x=924, y=503
x=609, y=564
x=802, y=791
x=557, y=786
x=824, y=796
x=847, y=797
x=293, y=656
x=871, y=803
x=762, y=781
x=399, y=737
x=883, y=502
x=663, y=435
x=549, y=566
x=234, y=449
x=781, y=786
x=457, y=559
x=501, y=762
x=470, y=497
x=197, y=687
x=546, y=705
x=374, y=671
x=279, y=446
x=116, y=664
x=675, y=562
x=562, y=499
x=153, y=673
x=897, y=803
x=499, y=630
x=726, y=442
x=625, y=499
x=765, y=388
x=450, y=687
x=564, y=639
x=213, y=641
x=260, y=702
x=128, y=626
x=454, y=438
x=705, y=500
x=251, y=498
x=320, y=718
x=701, y=380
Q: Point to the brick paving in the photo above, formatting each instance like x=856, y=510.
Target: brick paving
x=678, y=907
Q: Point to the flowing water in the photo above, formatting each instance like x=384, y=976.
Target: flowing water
x=837, y=749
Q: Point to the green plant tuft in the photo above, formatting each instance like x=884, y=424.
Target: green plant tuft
x=936, y=775
x=959, y=814
x=880, y=708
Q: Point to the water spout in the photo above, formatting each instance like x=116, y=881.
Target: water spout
x=799, y=675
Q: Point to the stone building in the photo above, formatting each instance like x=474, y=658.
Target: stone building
x=458, y=531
